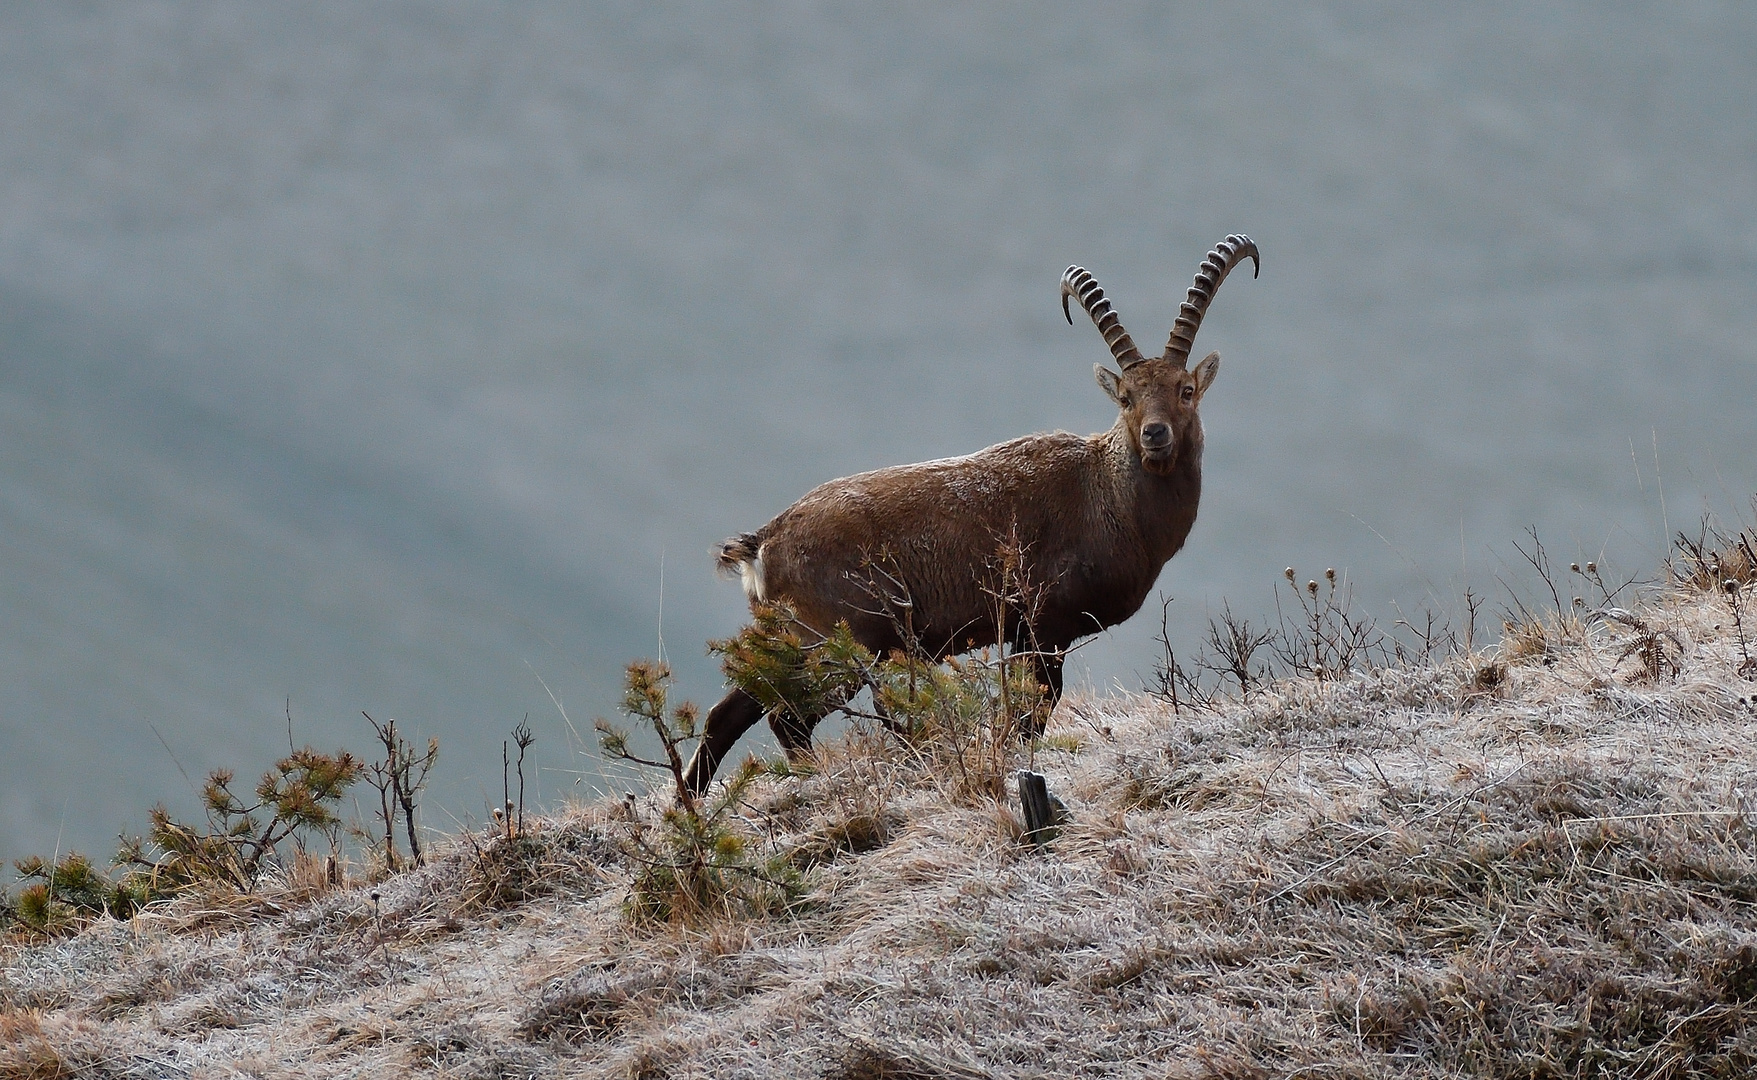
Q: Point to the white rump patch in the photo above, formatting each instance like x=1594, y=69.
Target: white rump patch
x=750, y=572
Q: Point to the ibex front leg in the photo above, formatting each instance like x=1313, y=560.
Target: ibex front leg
x=1046, y=667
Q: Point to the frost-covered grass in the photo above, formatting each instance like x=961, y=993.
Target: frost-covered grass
x=1540, y=863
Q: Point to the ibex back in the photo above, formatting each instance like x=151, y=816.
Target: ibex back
x=1089, y=522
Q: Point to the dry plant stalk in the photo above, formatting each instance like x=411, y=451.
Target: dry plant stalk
x=511, y=819
x=399, y=778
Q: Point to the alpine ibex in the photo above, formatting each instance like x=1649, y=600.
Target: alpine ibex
x=1092, y=521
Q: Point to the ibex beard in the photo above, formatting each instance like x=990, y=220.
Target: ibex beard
x=1092, y=520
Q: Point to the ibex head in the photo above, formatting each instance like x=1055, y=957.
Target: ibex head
x=1158, y=397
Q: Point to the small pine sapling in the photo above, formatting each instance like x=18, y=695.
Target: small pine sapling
x=796, y=675
x=65, y=894
x=962, y=717
x=696, y=865
x=297, y=795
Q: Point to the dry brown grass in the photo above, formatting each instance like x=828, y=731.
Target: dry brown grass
x=1714, y=556
x=1527, y=864
x=25, y=1051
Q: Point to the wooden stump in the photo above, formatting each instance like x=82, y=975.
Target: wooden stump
x=1044, y=813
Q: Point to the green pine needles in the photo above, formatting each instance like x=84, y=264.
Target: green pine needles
x=65, y=893
x=297, y=796
x=294, y=799
x=796, y=674
x=960, y=720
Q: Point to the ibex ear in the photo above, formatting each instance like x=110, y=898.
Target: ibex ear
x=1205, y=372
x=1110, y=381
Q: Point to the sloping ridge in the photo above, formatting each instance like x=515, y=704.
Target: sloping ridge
x=1532, y=862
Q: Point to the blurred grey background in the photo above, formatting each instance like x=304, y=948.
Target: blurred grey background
x=412, y=357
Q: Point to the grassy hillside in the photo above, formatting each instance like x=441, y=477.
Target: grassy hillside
x=1536, y=860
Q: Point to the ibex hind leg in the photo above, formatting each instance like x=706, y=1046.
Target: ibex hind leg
x=736, y=713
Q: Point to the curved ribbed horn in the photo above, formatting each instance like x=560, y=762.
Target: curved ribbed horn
x=1219, y=263
x=1077, y=282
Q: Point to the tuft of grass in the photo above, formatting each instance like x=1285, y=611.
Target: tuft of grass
x=508, y=871
x=1528, y=640
x=26, y=1052
x=850, y=834
x=1065, y=742
x=502, y=872
x=1706, y=561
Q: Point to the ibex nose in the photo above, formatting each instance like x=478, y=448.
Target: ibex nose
x=1154, y=436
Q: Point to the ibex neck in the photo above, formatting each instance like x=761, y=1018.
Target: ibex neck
x=1161, y=508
